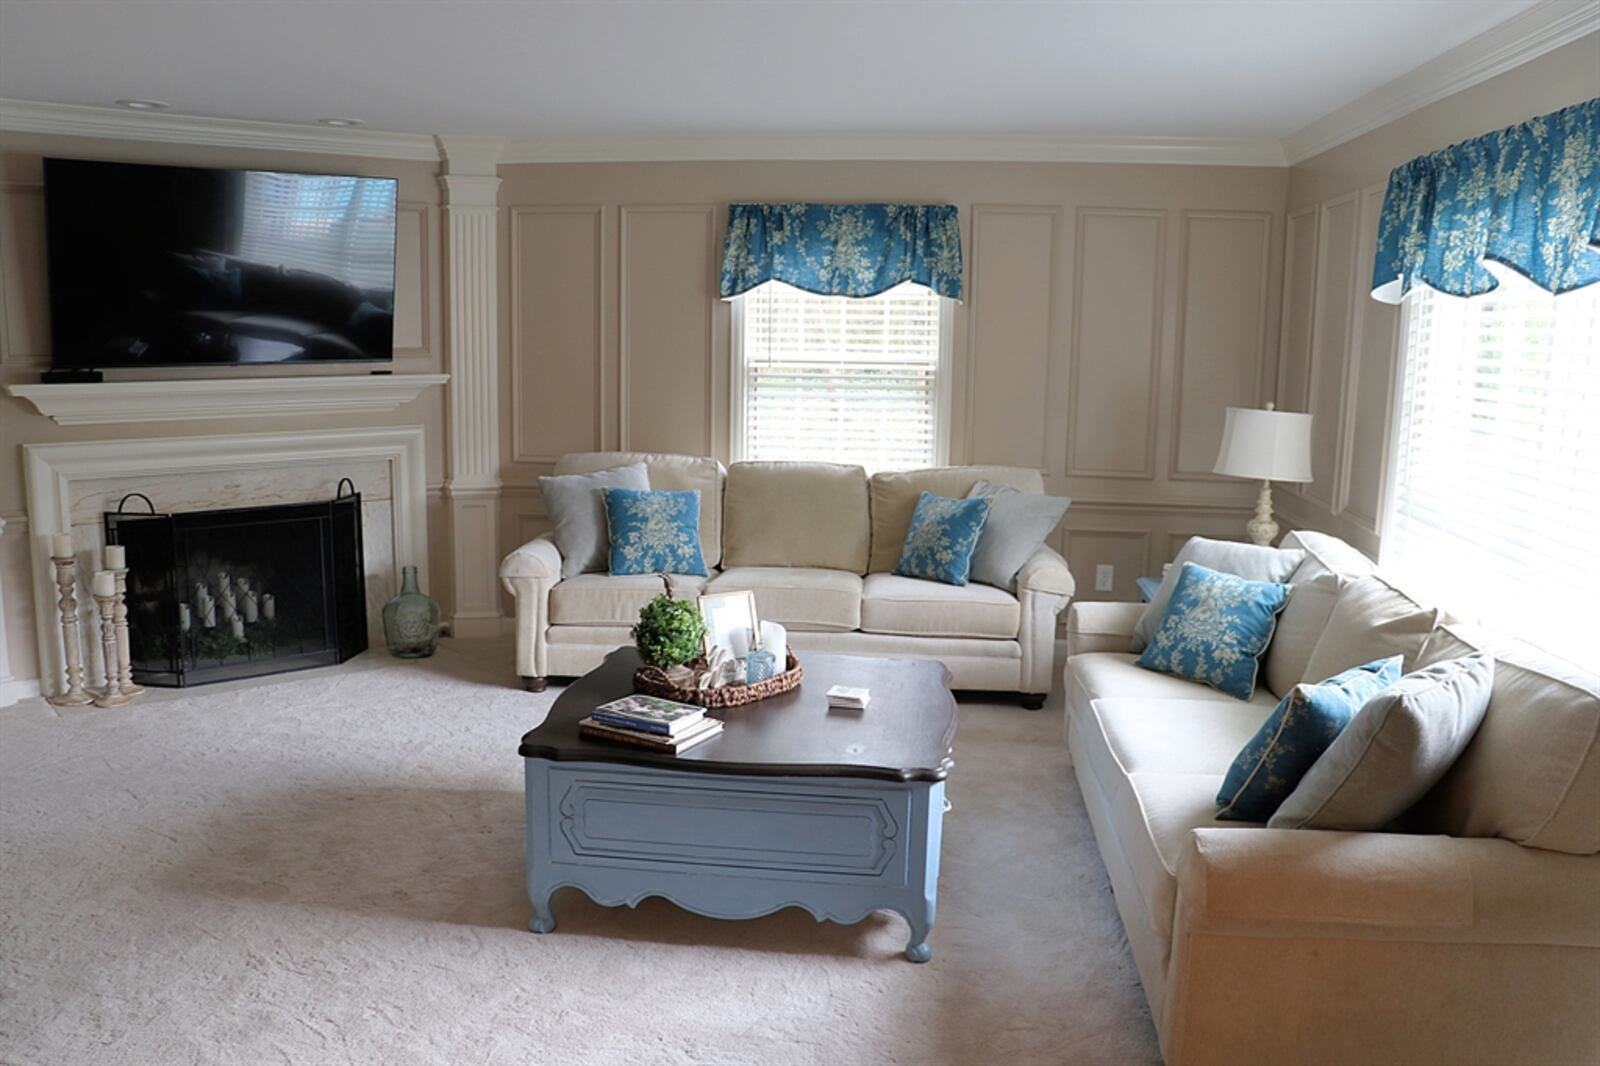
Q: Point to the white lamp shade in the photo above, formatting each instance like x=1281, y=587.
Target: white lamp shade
x=1265, y=445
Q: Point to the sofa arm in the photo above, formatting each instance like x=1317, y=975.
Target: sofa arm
x=1093, y=626
x=1388, y=886
x=539, y=559
x=1045, y=571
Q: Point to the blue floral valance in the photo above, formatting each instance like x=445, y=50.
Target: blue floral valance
x=1526, y=197
x=842, y=249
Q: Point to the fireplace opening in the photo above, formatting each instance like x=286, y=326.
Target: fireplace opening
x=222, y=595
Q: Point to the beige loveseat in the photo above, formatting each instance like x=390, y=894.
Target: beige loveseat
x=816, y=543
x=1280, y=946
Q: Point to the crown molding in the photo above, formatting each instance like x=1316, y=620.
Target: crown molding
x=74, y=120
x=1206, y=151
x=1542, y=28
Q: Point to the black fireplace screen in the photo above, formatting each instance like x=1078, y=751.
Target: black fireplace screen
x=219, y=595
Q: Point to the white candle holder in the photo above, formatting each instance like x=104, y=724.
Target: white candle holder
x=72, y=650
x=124, y=664
x=113, y=696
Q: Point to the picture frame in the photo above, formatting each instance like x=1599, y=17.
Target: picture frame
x=731, y=622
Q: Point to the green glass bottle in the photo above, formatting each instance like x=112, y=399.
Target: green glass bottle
x=411, y=620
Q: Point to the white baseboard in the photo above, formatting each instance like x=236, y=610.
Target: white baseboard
x=13, y=689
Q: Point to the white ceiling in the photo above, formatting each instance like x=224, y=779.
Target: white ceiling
x=692, y=68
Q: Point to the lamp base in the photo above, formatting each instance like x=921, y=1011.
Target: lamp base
x=1261, y=528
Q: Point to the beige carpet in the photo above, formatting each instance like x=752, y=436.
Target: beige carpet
x=328, y=869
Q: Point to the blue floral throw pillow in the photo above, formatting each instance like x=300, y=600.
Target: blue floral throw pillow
x=943, y=534
x=1216, y=628
x=1294, y=736
x=654, y=532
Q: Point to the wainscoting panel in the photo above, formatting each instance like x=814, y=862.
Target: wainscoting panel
x=1011, y=403
x=413, y=297
x=1116, y=342
x=1127, y=549
x=1375, y=333
x=665, y=311
x=1299, y=301
x=24, y=302
x=1330, y=342
x=1222, y=331
x=558, y=267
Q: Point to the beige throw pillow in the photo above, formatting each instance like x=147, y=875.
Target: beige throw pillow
x=1532, y=773
x=1370, y=620
x=1394, y=750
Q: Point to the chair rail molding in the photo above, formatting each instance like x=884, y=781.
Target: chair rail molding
x=199, y=399
x=471, y=187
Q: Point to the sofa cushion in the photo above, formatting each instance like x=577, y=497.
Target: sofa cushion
x=1253, y=562
x=796, y=514
x=680, y=473
x=1532, y=771
x=895, y=493
x=1300, y=625
x=1018, y=523
x=942, y=537
x=1101, y=674
x=1177, y=736
x=654, y=531
x=1394, y=750
x=1216, y=629
x=800, y=598
x=577, y=508
x=614, y=599
x=909, y=606
x=1154, y=815
x=1370, y=620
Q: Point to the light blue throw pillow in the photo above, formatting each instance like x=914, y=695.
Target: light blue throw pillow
x=1294, y=736
x=942, y=536
x=1215, y=629
x=654, y=532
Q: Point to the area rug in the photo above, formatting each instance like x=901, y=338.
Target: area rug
x=328, y=869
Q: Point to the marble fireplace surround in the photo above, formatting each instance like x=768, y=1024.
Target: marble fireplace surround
x=70, y=486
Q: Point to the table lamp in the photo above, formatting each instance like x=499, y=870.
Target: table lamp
x=1270, y=446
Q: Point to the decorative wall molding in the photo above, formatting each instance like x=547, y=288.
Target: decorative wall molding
x=74, y=120
x=51, y=470
x=1542, y=28
x=424, y=291
x=202, y=399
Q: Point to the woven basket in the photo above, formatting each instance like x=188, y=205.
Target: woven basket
x=652, y=681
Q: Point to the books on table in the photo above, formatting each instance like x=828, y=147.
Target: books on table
x=650, y=722
x=848, y=697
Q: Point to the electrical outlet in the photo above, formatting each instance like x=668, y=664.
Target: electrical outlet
x=1105, y=576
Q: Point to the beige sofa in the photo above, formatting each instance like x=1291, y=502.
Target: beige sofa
x=1261, y=945
x=816, y=543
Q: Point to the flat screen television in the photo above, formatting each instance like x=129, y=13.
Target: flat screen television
x=183, y=266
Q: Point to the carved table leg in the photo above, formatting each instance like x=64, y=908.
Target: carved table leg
x=917, y=947
x=544, y=918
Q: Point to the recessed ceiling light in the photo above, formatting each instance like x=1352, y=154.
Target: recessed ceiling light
x=144, y=105
x=341, y=122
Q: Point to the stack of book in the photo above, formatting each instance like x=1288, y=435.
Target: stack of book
x=650, y=722
x=848, y=698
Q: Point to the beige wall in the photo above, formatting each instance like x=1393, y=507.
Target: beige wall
x=1112, y=312
x=25, y=336
x=1340, y=348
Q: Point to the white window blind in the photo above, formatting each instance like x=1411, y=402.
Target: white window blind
x=338, y=226
x=836, y=379
x=1494, y=501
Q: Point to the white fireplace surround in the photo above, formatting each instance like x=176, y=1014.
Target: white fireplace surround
x=52, y=470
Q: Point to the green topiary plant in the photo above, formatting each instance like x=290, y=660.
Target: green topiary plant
x=669, y=632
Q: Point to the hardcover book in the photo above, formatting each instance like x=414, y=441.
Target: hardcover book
x=702, y=731
x=649, y=713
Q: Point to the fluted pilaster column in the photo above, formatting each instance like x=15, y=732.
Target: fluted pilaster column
x=471, y=186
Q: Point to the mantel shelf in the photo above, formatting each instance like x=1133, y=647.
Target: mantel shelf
x=196, y=399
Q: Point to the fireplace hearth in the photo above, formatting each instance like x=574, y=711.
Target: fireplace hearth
x=227, y=594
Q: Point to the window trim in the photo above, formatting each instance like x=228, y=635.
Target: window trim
x=738, y=380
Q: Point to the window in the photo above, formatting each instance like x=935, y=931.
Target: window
x=842, y=380
x=1494, y=499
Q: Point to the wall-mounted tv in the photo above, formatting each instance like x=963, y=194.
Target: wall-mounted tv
x=183, y=266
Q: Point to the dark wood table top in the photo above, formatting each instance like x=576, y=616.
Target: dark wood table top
x=904, y=735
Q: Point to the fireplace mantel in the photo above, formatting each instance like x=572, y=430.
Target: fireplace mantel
x=193, y=399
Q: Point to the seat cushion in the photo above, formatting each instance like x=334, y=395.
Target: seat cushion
x=895, y=494
x=1154, y=814
x=680, y=473
x=613, y=599
x=910, y=606
x=799, y=598
x=796, y=514
x=1102, y=674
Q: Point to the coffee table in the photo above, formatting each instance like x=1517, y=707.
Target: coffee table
x=793, y=805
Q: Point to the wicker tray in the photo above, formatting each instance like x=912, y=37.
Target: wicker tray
x=652, y=681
